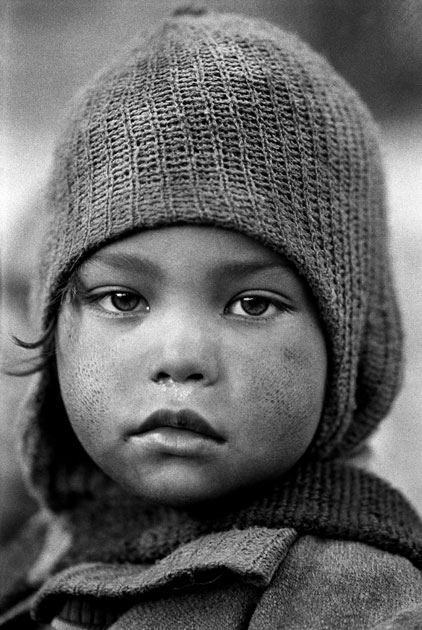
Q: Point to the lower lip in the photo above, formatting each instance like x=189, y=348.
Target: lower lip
x=180, y=442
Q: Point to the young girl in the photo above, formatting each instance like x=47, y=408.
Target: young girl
x=219, y=335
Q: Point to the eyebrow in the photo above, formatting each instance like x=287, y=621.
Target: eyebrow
x=248, y=267
x=124, y=262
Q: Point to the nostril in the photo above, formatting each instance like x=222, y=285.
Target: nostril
x=164, y=377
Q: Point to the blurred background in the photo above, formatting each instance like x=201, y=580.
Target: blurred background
x=50, y=48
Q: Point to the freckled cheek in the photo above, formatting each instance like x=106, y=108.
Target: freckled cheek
x=86, y=379
x=282, y=390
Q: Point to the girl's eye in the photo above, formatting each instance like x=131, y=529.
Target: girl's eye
x=254, y=306
x=123, y=302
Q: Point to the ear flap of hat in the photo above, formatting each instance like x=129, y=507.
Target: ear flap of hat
x=379, y=374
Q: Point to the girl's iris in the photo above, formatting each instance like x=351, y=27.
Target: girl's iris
x=126, y=301
x=254, y=306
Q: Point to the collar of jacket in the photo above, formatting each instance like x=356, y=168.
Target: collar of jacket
x=253, y=555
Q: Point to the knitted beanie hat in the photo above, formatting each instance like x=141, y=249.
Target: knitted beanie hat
x=228, y=121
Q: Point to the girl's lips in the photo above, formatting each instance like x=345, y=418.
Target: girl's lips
x=184, y=420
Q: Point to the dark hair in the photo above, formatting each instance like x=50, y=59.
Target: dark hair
x=46, y=343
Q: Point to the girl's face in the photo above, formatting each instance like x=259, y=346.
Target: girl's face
x=191, y=363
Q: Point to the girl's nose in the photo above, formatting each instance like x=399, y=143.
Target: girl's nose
x=185, y=352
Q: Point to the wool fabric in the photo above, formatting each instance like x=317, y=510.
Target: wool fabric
x=228, y=121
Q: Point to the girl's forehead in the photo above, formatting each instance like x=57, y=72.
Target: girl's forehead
x=161, y=247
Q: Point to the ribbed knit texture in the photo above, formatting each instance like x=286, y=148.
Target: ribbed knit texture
x=227, y=121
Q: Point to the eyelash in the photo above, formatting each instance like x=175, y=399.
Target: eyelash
x=276, y=306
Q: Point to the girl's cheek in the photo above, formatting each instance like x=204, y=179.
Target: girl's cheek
x=285, y=381
x=85, y=373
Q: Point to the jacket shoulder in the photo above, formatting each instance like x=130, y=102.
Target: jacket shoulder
x=326, y=583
